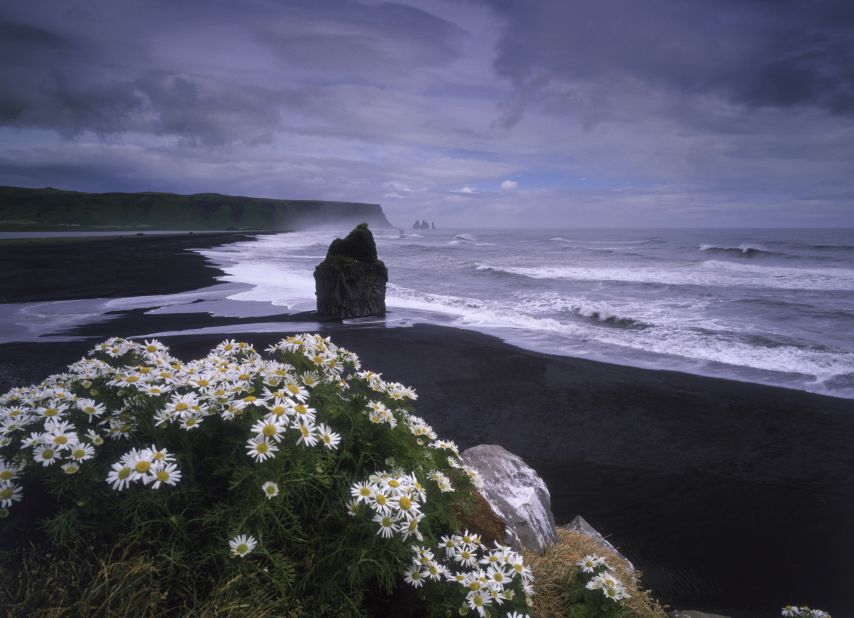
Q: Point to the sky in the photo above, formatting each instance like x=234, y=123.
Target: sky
x=534, y=113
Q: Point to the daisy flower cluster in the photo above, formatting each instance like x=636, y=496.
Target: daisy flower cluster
x=804, y=611
x=395, y=500
x=101, y=399
x=148, y=466
x=132, y=416
x=486, y=577
x=597, y=570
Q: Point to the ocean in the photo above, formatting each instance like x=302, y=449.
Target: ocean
x=771, y=306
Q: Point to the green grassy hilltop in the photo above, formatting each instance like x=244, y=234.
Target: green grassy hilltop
x=53, y=209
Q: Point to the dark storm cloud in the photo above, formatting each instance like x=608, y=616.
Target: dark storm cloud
x=211, y=73
x=626, y=112
x=784, y=53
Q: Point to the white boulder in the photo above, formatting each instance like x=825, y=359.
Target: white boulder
x=517, y=495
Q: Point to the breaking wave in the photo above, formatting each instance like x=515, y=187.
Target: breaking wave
x=742, y=250
x=709, y=273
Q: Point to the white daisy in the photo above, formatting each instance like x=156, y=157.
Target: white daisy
x=162, y=473
x=45, y=455
x=260, y=449
x=387, y=525
x=413, y=576
x=9, y=493
x=71, y=468
x=242, y=545
x=120, y=476
x=329, y=438
x=270, y=489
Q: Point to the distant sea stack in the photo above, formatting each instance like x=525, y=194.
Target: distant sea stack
x=351, y=281
x=423, y=225
x=53, y=209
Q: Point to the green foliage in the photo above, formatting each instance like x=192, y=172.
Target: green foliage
x=25, y=209
x=583, y=602
x=155, y=538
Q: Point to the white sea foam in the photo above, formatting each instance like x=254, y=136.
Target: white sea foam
x=667, y=340
x=708, y=273
x=668, y=310
x=744, y=248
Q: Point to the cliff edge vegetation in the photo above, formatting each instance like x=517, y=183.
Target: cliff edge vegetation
x=50, y=209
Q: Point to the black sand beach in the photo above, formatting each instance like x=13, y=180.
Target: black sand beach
x=105, y=266
x=731, y=497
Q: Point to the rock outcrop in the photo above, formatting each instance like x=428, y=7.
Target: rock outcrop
x=580, y=525
x=351, y=281
x=517, y=495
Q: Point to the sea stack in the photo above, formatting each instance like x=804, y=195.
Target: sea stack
x=351, y=281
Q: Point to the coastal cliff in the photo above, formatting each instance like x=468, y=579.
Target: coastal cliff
x=53, y=209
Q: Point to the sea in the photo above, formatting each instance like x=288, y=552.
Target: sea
x=770, y=306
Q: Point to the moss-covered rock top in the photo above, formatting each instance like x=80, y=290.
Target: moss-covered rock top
x=358, y=244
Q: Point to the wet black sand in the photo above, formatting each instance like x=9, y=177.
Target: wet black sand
x=731, y=497
x=105, y=266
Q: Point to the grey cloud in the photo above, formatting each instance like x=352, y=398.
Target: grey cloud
x=234, y=72
x=755, y=53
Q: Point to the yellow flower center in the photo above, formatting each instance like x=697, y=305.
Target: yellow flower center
x=269, y=430
x=6, y=475
x=262, y=448
x=124, y=473
x=6, y=493
x=60, y=439
x=405, y=503
x=182, y=407
x=47, y=454
x=142, y=466
x=162, y=475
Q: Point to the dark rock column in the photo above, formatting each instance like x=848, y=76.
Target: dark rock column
x=351, y=281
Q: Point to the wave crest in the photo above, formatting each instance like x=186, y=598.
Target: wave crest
x=742, y=250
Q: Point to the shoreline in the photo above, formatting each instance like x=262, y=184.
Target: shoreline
x=705, y=483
